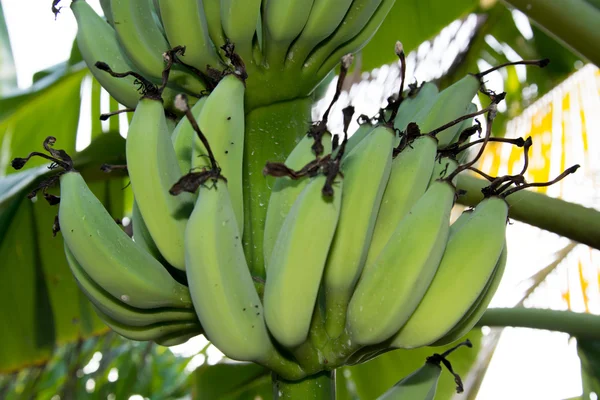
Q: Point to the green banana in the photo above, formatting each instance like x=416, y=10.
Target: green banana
x=110, y=258
x=119, y=311
x=390, y=289
x=460, y=222
x=219, y=279
x=153, y=169
x=239, y=20
x=419, y=385
x=357, y=17
x=286, y=190
x=366, y=171
x=450, y=104
x=141, y=234
x=461, y=277
x=222, y=122
x=479, y=307
x=185, y=25
x=324, y=18
x=155, y=332
x=442, y=168
x=97, y=41
x=212, y=11
x=362, y=132
x=283, y=22
x=356, y=44
x=294, y=275
x=183, y=137
x=144, y=43
x=105, y=5
x=421, y=103
x=409, y=178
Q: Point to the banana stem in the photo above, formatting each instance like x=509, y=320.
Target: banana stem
x=571, y=220
x=579, y=325
x=271, y=134
x=318, y=387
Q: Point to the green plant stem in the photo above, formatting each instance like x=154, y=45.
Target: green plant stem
x=572, y=22
x=317, y=387
x=576, y=324
x=574, y=221
x=271, y=134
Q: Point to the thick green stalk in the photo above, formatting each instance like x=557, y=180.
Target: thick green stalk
x=271, y=134
x=572, y=22
x=574, y=221
x=576, y=324
x=317, y=387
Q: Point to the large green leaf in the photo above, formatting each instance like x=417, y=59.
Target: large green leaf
x=102, y=367
x=8, y=72
x=236, y=381
x=412, y=22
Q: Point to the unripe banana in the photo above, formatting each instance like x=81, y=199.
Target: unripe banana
x=460, y=222
x=141, y=234
x=366, y=171
x=357, y=17
x=222, y=122
x=409, y=178
x=324, y=18
x=461, y=277
x=466, y=123
x=450, y=104
x=97, y=41
x=185, y=25
x=419, y=385
x=153, y=169
x=480, y=306
x=286, y=190
x=109, y=256
x=283, y=22
x=219, y=279
x=238, y=18
x=295, y=274
x=413, y=106
x=144, y=43
x=390, y=289
x=442, y=168
x=119, y=311
x=155, y=332
x=354, y=45
x=362, y=132
x=183, y=138
x=212, y=11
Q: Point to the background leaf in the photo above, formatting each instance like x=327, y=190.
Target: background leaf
x=8, y=72
x=232, y=381
x=412, y=22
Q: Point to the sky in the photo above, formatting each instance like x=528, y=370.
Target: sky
x=548, y=367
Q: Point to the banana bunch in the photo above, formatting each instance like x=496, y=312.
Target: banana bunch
x=289, y=46
x=130, y=290
x=360, y=253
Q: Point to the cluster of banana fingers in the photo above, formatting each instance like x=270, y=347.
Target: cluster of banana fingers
x=288, y=46
x=359, y=250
